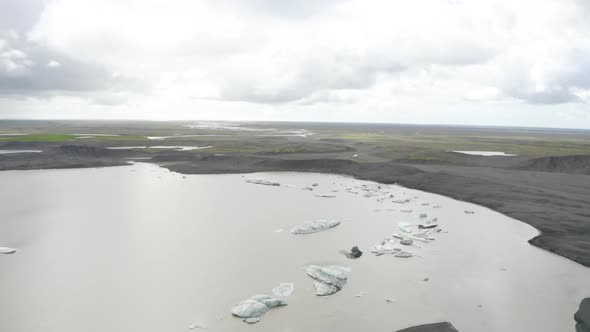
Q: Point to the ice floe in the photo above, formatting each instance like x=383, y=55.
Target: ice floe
x=314, y=226
x=264, y=182
x=328, y=280
x=284, y=289
x=7, y=250
x=256, y=306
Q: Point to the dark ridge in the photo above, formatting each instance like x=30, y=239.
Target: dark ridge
x=563, y=164
x=388, y=172
x=82, y=150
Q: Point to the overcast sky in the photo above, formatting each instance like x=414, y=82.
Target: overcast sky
x=483, y=62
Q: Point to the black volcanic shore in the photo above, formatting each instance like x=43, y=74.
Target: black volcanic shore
x=557, y=204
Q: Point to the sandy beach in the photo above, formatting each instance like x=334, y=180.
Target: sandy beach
x=107, y=252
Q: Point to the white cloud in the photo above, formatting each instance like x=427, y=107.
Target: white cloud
x=378, y=59
x=14, y=62
x=53, y=64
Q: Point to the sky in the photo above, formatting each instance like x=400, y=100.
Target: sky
x=470, y=62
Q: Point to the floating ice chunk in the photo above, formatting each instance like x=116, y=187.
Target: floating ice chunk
x=360, y=294
x=280, y=230
x=322, y=289
x=423, y=215
x=197, y=325
x=269, y=301
x=423, y=237
x=264, y=182
x=314, y=226
x=403, y=254
x=6, y=250
x=387, y=246
x=284, y=289
x=469, y=212
x=252, y=320
x=428, y=225
x=405, y=227
x=255, y=307
x=406, y=211
x=406, y=242
x=326, y=196
x=250, y=308
x=327, y=280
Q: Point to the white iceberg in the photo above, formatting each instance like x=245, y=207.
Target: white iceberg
x=403, y=254
x=255, y=307
x=328, y=280
x=6, y=250
x=264, y=182
x=314, y=226
x=284, y=289
x=387, y=246
x=405, y=227
x=428, y=225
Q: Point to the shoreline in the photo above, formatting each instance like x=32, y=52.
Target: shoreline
x=504, y=194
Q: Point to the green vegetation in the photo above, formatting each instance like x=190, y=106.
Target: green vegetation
x=370, y=145
x=39, y=138
x=66, y=138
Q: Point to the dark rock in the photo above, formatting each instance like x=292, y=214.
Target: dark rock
x=436, y=327
x=582, y=317
x=355, y=252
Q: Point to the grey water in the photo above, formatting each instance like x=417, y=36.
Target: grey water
x=139, y=248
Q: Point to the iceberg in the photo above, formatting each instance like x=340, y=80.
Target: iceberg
x=6, y=250
x=284, y=289
x=314, y=226
x=264, y=182
x=256, y=306
x=405, y=227
x=428, y=225
x=385, y=247
x=328, y=280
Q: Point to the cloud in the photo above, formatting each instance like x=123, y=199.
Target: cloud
x=292, y=55
x=53, y=64
x=296, y=9
x=291, y=77
x=29, y=69
x=20, y=15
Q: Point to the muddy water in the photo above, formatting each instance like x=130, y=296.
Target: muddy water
x=139, y=248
